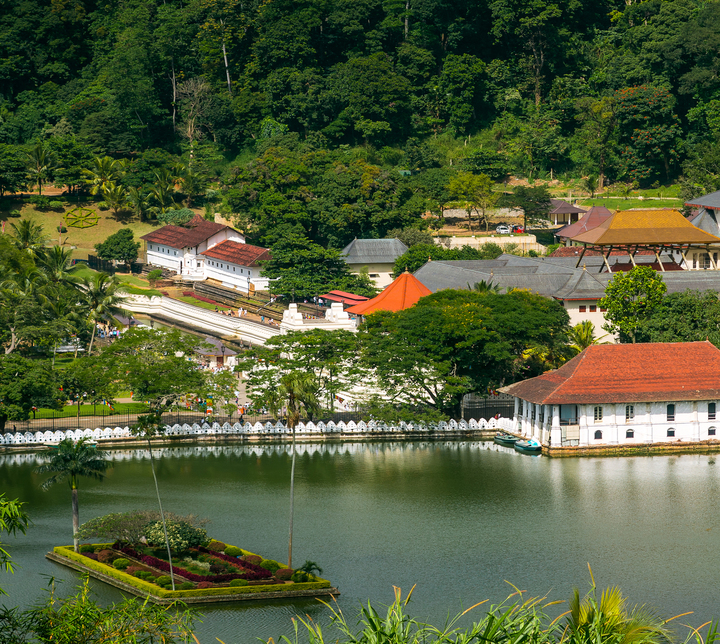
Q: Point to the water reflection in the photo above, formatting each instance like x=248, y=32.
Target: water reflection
x=457, y=518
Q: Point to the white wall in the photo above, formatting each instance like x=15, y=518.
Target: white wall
x=165, y=256
x=380, y=274
x=596, y=317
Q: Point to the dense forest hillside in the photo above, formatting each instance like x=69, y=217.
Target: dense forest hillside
x=345, y=118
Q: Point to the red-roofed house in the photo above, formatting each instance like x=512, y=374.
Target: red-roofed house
x=180, y=248
x=237, y=265
x=619, y=394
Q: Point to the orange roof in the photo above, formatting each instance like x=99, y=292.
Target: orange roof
x=645, y=227
x=620, y=373
x=405, y=291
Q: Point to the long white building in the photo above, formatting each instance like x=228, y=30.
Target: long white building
x=623, y=394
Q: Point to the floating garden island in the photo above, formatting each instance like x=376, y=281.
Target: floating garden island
x=216, y=572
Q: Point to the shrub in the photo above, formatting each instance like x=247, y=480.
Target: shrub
x=87, y=547
x=205, y=584
x=163, y=579
x=102, y=205
x=91, y=555
x=15, y=213
x=233, y=551
x=217, y=569
x=61, y=229
x=144, y=574
x=284, y=573
x=181, y=535
x=107, y=556
x=121, y=563
x=253, y=559
x=238, y=582
x=129, y=527
x=131, y=570
x=56, y=205
x=300, y=576
x=155, y=274
x=533, y=253
x=269, y=564
x=41, y=202
x=216, y=546
x=186, y=585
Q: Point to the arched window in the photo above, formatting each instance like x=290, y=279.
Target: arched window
x=598, y=435
x=671, y=432
x=629, y=434
x=671, y=413
x=712, y=431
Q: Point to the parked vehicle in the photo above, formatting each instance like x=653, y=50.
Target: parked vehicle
x=502, y=229
x=517, y=228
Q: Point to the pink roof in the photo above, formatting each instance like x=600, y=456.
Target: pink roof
x=591, y=219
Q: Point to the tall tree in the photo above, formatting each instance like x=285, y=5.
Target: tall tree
x=13, y=519
x=40, y=164
x=71, y=461
x=25, y=384
x=533, y=201
x=102, y=297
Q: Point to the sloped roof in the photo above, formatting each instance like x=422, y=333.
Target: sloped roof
x=711, y=200
x=581, y=286
x=344, y=297
x=646, y=227
x=237, y=253
x=373, y=251
x=706, y=220
x=405, y=291
x=627, y=373
x=591, y=219
x=194, y=232
x=560, y=207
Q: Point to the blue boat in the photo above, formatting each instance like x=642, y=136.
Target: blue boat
x=530, y=446
x=508, y=440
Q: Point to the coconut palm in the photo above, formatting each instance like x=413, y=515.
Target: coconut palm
x=40, y=164
x=115, y=196
x=610, y=620
x=104, y=170
x=590, y=184
x=485, y=287
x=55, y=266
x=103, y=300
x=71, y=461
x=297, y=392
x=582, y=336
x=147, y=426
x=139, y=202
x=29, y=236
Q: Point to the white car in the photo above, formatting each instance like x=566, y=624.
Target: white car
x=502, y=229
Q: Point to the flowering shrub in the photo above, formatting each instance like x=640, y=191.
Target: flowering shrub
x=284, y=573
x=106, y=556
x=181, y=535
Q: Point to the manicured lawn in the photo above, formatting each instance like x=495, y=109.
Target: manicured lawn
x=201, y=304
x=618, y=203
x=70, y=411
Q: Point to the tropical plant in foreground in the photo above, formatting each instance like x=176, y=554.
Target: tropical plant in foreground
x=71, y=461
x=101, y=296
x=582, y=336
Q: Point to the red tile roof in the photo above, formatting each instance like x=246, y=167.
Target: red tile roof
x=405, y=291
x=344, y=297
x=237, y=253
x=627, y=373
x=591, y=219
x=194, y=232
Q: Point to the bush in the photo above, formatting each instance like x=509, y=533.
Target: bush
x=41, y=202
x=107, y=556
x=216, y=546
x=87, y=547
x=186, y=585
x=102, y=205
x=284, y=573
x=61, y=229
x=253, y=559
x=121, y=563
x=181, y=535
x=269, y=564
x=205, y=584
x=533, y=253
x=91, y=555
x=56, y=205
x=131, y=570
x=217, y=569
x=155, y=274
x=163, y=580
x=233, y=551
x=238, y=582
x=300, y=576
x=15, y=213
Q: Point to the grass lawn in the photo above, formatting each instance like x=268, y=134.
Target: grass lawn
x=69, y=411
x=202, y=305
x=618, y=203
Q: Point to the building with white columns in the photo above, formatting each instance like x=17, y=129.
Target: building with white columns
x=623, y=394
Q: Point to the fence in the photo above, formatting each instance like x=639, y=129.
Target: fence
x=500, y=404
x=105, y=266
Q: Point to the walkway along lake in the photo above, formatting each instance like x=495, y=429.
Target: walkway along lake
x=455, y=518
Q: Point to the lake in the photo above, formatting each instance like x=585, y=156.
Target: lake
x=455, y=518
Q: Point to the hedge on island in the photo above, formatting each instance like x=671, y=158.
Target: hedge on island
x=155, y=590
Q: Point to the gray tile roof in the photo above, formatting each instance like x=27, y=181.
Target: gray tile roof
x=711, y=200
x=706, y=220
x=373, y=251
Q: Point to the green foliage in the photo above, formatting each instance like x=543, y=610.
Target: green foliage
x=533, y=201
x=689, y=316
x=13, y=519
x=129, y=527
x=630, y=299
x=120, y=246
x=163, y=580
x=233, y=551
x=410, y=236
x=420, y=254
x=217, y=546
x=155, y=274
x=121, y=563
x=181, y=535
x=24, y=384
x=269, y=564
x=176, y=217
x=237, y=583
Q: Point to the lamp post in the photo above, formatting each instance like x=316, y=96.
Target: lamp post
x=222, y=350
x=152, y=323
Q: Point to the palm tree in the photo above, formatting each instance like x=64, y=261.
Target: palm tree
x=139, y=202
x=485, y=287
x=147, y=426
x=115, y=196
x=104, y=170
x=40, y=162
x=582, y=336
x=102, y=298
x=297, y=393
x=73, y=460
x=55, y=266
x=609, y=620
x=30, y=236
x=591, y=184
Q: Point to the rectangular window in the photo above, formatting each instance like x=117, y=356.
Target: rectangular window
x=711, y=411
x=583, y=309
x=629, y=413
x=593, y=308
x=602, y=310
x=671, y=413
x=598, y=414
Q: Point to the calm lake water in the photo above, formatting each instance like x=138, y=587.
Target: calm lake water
x=455, y=518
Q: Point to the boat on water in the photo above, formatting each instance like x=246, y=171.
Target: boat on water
x=530, y=446
x=503, y=438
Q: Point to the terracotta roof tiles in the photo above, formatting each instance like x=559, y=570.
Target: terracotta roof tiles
x=627, y=373
x=193, y=233
x=237, y=253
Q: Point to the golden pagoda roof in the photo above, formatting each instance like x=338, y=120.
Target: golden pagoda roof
x=663, y=227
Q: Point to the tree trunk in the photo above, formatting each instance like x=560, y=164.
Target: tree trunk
x=407, y=18
x=227, y=69
x=162, y=515
x=75, y=517
x=92, y=338
x=292, y=498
